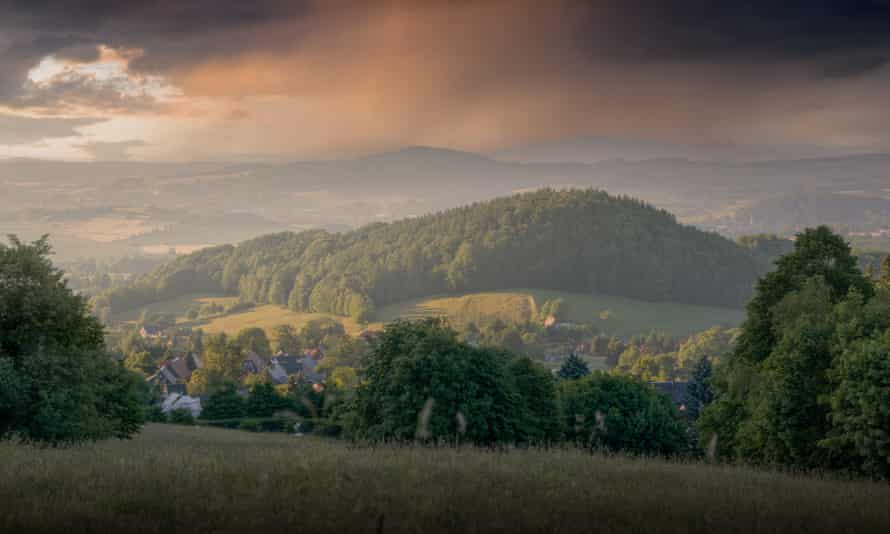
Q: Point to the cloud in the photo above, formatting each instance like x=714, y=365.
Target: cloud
x=340, y=76
x=21, y=130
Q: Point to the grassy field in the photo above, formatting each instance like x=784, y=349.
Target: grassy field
x=197, y=480
x=267, y=317
x=177, y=306
x=614, y=315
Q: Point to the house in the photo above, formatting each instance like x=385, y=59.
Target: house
x=675, y=391
x=308, y=369
x=283, y=366
x=177, y=401
x=151, y=332
x=162, y=377
x=174, y=371
x=253, y=363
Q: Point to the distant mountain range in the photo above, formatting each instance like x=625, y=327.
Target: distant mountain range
x=127, y=207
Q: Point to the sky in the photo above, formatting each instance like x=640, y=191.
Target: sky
x=185, y=80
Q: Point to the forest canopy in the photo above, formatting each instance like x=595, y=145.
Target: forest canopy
x=572, y=240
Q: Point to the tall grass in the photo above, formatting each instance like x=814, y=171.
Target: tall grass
x=182, y=479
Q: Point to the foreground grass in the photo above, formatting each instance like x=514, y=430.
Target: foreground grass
x=177, y=479
x=613, y=315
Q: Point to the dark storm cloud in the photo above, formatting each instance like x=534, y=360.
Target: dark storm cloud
x=180, y=33
x=477, y=74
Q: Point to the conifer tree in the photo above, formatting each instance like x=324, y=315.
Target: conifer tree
x=573, y=368
x=699, y=392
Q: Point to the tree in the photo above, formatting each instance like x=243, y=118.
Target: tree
x=573, y=368
x=419, y=382
x=287, y=339
x=884, y=280
x=770, y=390
x=859, y=404
x=254, y=339
x=57, y=383
x=699, y=392
x=141, y=362
x=204, y=381
x=223, y=356
x=817, y=252
x=263, y=401
x=225, y=403
x=537, y=419
x=619, y=413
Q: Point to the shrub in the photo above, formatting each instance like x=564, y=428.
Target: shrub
x=181, y=416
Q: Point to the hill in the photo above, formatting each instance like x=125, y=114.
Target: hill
x=581, y=241
x=181, y=479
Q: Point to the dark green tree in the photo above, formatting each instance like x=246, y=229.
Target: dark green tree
x=57, y=383
x=263, y=401
x=769, y=389
x=287, y=339
x=537, y=414
x=225, y=403
x=619, y=413
x=573, y=368
x=420, y=382
x=254, y=339
x=699, y=392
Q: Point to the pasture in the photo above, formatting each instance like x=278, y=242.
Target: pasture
x=613, y=315
x=202, y=480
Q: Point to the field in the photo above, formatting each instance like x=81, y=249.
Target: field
x=268, y=317
x=177, y=306
x=614, y=315
x=180, y=479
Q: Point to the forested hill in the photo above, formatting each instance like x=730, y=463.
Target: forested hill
x=578, y=240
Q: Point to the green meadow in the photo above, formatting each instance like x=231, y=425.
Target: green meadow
x=204, y=480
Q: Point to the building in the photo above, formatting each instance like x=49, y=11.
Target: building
x=283, y=366
x=179, y=401
x=174, y=371
x=253, y=363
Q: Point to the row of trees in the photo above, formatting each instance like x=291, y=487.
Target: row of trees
x=421, y=383
x=584, y=241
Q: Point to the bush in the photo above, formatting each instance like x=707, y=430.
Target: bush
x=154, y=414
x=225, y=403
x=181, y=416
x=250, y=425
